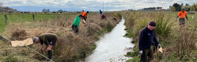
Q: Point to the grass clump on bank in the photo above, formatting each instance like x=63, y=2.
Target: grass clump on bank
x=69, y=47
x=177, y=45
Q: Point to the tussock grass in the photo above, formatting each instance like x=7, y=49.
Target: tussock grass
x=70, y=47
x=178, y=46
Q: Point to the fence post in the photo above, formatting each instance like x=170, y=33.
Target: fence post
x=5, y=19
x=4, y=39
x=33, y=18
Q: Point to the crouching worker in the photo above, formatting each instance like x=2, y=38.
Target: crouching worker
x=76, y=23
x=146, y=39
x=114, y=18
x=49, y=39
x=103, y=17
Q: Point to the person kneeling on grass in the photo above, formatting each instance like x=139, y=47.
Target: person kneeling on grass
x=76, y=23
x=49, y=39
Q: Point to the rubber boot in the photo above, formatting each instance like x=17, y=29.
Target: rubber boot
x=49, y=54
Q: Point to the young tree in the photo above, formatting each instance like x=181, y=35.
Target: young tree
x=177, y=6
x=181, y=4
x=187, y=4
x=187, y=8
x=194, y=7
x=173, y=8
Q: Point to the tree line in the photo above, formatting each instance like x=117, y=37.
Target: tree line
x=187, y=7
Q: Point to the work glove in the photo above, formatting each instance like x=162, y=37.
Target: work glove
x=159, y=45
x=140, y=52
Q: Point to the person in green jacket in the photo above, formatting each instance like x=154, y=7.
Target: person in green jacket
x=76, y=23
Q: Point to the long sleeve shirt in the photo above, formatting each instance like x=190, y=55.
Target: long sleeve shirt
x=146, y=38
x=76, y=21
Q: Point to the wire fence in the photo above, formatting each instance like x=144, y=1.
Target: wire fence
x=5, y=56
x=29, y=48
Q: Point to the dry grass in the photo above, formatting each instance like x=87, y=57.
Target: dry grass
x=69, y=47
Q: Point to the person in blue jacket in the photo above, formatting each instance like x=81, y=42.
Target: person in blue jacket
x=101, y=13
x=146, y=39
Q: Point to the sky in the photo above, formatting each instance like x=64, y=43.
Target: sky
x=89, y=5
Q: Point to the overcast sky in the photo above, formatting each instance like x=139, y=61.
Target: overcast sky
x=90, y=5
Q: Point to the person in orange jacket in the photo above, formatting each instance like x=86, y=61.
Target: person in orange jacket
x=85, y=15
x=114, y=18
x=182, y=15
x=82, y=12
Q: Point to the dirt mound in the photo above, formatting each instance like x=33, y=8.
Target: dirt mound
x=19, y=35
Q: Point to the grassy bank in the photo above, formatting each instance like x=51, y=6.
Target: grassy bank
x=70, y=47
x=24, y=17
x=177, y=45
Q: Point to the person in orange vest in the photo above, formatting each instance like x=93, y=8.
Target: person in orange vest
x=85, y=15
x=182, y=14
x=82, y=12
x=114, y=18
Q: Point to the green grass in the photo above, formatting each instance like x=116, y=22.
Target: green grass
x=18, y=18
x=2, y=23
x=134, y=59
x=167, y=33
x=93, y=47
x=24, y=17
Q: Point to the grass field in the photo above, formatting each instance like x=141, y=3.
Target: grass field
x=177, y=45
x=24, y=17
x=17, y=18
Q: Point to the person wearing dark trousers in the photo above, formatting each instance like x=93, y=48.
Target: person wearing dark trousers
x=75, y=26
x=146, y=39
x=155, y=44
x=182, y=14
x=85, y=15
x=49, y=39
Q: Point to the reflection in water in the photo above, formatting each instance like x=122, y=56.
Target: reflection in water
x=112, y=46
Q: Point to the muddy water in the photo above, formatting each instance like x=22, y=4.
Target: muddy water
x=112, y=46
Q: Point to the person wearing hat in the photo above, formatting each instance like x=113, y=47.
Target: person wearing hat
x=182, y=14
x=146, y=39
x=49, y=39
